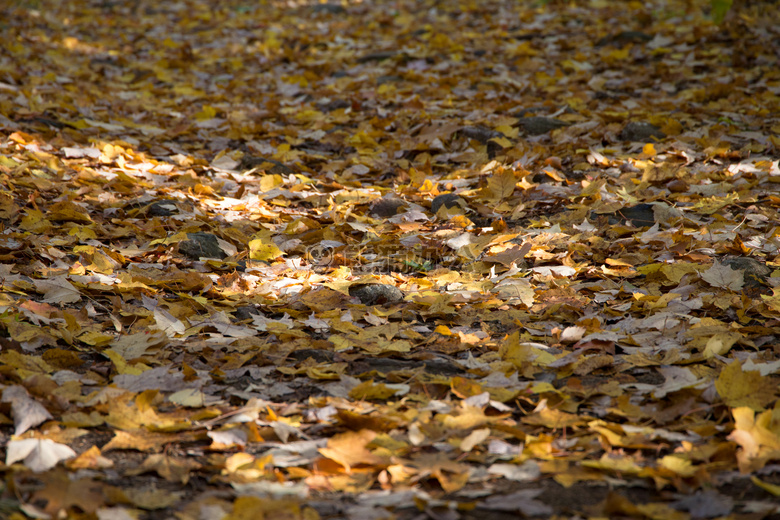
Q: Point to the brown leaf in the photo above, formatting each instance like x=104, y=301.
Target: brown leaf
x=172, y=469
x=147, y=441
x=60, y=494
x=349, y=449
x=750, y=388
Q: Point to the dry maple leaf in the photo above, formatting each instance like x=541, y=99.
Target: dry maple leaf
x=26, y=411
x=37, y=454
x=723, y=276
x=60, y=493
x=173, y=469
x=349, y=449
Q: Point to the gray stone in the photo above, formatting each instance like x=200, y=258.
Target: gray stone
x=328, y=9
x=270, y=166
x=376, y=294
x=480, y=133
x=755, y=274
x=376, y=56
x=538, y=125
x=640, y=215
x=201, y=245
x=623, y=38
x=387, y=206
x=639, y=132
x=245, y=312
x=162, y=208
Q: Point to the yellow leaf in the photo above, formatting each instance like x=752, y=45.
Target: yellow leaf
x=678, y=465
x=773, y=302
x=263, y=250
x=617, y=55
x=256, y=508
x=720, y=344
x=758, y=438
x=173, y=239
x=34, y=222
x=618, y=463
x=269, y=182
x=427, y=186
x=187, y=90
x=151, y=498
x=207, y=112
x=362, y=141
x=503, y=142
x=509, y=131
x=502, y=394
x=608, y=433
x=8, y=207
x=475, y=438
x=172, y=469
x=328, y=373
x=708, y=206
x=744, y=389
x=25, y=365
x=469, y=417
x=502, y=184
x=674, y=272
x=416, y=177
x=440, y=41
x=660, y=511
x=554, y=419
x=524, y=49
x=464, y=387
x=542, y=388
x=367, y=391
x=310, y=115
x=8, y=162
x=513, y=351
x=203, y=189
x=96, y=339
x=349, y=449
x=770, y=488
x=454, y=214
x=385, y=88
x=672, y=127
x=340, y=342
x=443, y=330
x=90, y=459
x=189, y=397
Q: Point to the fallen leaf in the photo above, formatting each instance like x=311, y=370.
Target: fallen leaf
x=27, y=412
x=523, y=502
x=61, y=493
x=738, y=388
x=724, y=277
x=474, y=438
x=172, y=469
x=349, y=449
x=37, y=454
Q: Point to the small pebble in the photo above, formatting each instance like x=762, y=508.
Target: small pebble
x=376, y=294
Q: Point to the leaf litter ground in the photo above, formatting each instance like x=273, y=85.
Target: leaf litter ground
x=406, y=259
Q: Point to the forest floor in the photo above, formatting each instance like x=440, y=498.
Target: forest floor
x=389, y=260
